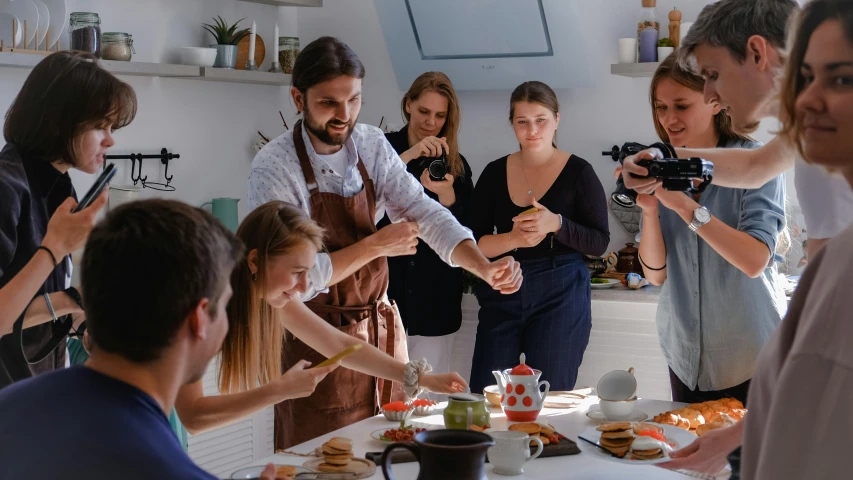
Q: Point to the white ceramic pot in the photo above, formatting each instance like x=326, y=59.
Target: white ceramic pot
x=664, y=52
x=618, y=410
x=198, y=56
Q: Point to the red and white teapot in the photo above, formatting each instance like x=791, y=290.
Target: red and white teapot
x=521, y=397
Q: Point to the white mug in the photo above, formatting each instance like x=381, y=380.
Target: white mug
x=512, y=451
x=627, y=50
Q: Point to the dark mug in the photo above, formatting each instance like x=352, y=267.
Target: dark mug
x=445, y=454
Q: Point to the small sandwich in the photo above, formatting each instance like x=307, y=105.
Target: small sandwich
x=649, y=448
x=616, y=437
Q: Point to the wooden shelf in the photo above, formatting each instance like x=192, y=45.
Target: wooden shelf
x=634, y=70
x=243, y=76
x=289, y=3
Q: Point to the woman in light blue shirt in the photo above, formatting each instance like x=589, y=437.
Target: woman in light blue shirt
x=713, y=253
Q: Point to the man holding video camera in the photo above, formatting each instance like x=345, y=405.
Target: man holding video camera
x=741, y=70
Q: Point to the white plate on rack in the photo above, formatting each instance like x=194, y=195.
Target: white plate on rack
x=58, y=19
x=6, y=19
x=611, y=282
x=27, y=11
x=44, y=21
x=677, y=437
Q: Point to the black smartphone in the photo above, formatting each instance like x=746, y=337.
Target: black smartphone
x=99, y=185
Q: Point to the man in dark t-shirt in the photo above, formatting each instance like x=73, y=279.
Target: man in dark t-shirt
x=155, y=278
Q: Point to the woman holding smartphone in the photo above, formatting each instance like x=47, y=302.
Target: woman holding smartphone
x=282, y=244
x=63, y=118
x=427, y=291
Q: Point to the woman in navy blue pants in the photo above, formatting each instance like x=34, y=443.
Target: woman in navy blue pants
x=545, y=207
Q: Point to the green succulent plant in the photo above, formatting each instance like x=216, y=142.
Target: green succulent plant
x=225, y=34
x=665, y=42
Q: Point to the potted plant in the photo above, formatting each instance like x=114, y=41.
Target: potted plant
x=665, y=48
x=227, y=37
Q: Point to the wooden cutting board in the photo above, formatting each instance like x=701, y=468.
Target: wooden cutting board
x=243, y=52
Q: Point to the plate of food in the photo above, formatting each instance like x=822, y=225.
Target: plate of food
x=638, y=443
x=280, y=471
x=404, y=433
x=700, y=418
x=600, y=283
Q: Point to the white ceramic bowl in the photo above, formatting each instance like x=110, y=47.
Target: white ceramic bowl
x=199, y=56
x=398, y=416
x=618, y=410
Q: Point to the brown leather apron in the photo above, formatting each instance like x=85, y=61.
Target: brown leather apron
x=357, y=306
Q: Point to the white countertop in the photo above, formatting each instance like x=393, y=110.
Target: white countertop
x=570, y=423
x=621, y=293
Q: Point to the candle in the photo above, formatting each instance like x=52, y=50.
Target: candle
x=275, y=39
x=252, y=42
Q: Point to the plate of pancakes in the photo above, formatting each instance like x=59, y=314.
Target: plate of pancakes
x=280, y=471
x=634, y=443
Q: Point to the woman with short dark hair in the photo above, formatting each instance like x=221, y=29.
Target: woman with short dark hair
x=62, y=118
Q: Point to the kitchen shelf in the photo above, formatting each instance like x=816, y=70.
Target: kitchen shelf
x=634, y=70
x=289, y=3
x=144, y=69
x=244, y=76
x=139, y=69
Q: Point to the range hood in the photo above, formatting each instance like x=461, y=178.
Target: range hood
x=485, y=44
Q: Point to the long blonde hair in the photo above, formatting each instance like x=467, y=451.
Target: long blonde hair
x=439, y=83
x=251, y=352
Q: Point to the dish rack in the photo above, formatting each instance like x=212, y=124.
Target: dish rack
x=13, y=49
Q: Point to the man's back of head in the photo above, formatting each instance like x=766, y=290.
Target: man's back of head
x=730, y=24
x=146, y=267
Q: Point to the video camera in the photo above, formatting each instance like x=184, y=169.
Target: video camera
x=677, y=174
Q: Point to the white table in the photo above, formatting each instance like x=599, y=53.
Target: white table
x=569, y=422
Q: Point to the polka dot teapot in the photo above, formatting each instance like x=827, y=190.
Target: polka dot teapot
x=521, y=397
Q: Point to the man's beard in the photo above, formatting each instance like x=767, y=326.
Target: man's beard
x=322, y=131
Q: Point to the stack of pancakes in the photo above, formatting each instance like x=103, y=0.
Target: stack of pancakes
x=616, y=437
x=337, y=453
x=652, y=453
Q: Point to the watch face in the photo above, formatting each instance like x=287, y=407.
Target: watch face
x=702, y=215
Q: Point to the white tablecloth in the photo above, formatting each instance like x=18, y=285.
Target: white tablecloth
x=570, y=423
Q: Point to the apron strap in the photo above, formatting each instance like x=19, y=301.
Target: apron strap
x=304, y=161
x=368, y=185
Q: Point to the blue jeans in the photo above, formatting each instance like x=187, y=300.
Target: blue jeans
x=548, y=319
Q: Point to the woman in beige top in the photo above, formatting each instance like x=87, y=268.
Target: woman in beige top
x=800, y=421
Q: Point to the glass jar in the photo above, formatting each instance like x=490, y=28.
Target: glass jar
x=85, y=30
x=117, y=46
x=648, y=29
x=288, y=50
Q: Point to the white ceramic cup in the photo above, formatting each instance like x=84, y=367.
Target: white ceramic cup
x=121, y=194
x=617, y=385
x=511, y=451
x=618, y=410
x=627, y=50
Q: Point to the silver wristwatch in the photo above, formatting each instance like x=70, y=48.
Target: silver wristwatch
x=701, y=216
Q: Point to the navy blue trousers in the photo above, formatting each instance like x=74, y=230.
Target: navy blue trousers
x=548, y=319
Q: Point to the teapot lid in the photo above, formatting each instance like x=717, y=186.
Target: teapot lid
x=521, y=368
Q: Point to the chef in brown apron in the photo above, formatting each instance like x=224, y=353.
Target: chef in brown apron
x=345, y=176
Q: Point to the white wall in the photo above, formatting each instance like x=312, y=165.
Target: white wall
x=211, y=125
x=614, y=111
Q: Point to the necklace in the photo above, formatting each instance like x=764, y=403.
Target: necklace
x=524, y=171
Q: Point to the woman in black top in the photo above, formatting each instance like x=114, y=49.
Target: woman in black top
x=63, y=118
x=549, y=318
x=427, y=290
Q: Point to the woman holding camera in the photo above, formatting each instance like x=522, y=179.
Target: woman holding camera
x=428, y=292
x=549, y=318
x=722, y=300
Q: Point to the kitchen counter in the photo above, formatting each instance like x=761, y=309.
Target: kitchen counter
x=621, y=293
x=569, y=422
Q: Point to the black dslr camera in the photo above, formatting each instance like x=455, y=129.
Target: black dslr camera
x=677, y=174
x=437, y=167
